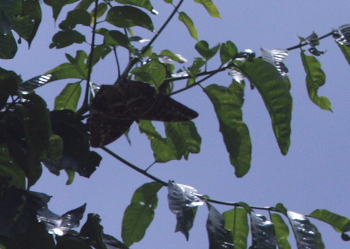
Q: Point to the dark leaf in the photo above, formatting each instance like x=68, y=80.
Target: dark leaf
x=236, y=221
x=128, y=16
x=262, y=232
x=276, y=96
x=228, y=103
x=185, y=19
x=305, y=233
x=71, y=241
x=117, y=38
x=60, y=225
x=182, y=201
x=64, y=39
x=57, y=6
x=101, y=9
x=8, y=45
x=142, y=3
x=219, y=237
x=315, y=78
x=9, y=81
x=10, y=170
x=76, y=154
x=140, y=213
x=203, y=49
x=74, y=17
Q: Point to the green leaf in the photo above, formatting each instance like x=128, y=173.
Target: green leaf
x=69, y=97
x=34, y=117
x=101, y=9
x=346, y=51
x=153, y=73
x=100, y=52
x=210, y=7
x=64, y=39
x=236, y=220
x=228, y=51
x=315, y=78
x=281, y=231
x=162, y=152
x=128, y=16
x=140, y=213
x=183, y=17
x=168, y=1
x=183, y=138
x=276, y=96
x=84, y=4
x=55, y=148
x=340, y=223
x=8, y=45
x=74, y=17
x=10, y=170
x=71, y=175
x=117, y=38
x=57, y=6
x=77, y=68
x=203, y=49
x=193, y=70
x=171, y=55
x=280, y=208
x=9, y=81
x=26, y=24
x=228, y=103
x=142, y=3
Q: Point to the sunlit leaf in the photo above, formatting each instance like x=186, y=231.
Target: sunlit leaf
x=219, y=237
x=305, y=233
x=227, y=104
x=153, y=73
x=128, y=16
x=183, y=138
x=71, y=176
x=183, y=17
x=203, y=49
x=228, y=51
x=101, y=10
x=69, y=97
x=210, y=7
x=84, y=4
x=161, y=150
x=276, y=96
x=340, y=223
x=281, y=231
x=262, y=232
x=140, y=213
x=346, y=51
x=183, y=201
x=315, y=78
x=236, y=221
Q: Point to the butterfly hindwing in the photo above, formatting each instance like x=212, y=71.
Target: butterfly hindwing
x=105, y=129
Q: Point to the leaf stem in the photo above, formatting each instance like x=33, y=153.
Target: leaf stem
x=133, y=61
x=302, y=44
x=85, y=107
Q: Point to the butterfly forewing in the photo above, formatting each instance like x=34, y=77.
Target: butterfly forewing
x=105, y=129
x=108, y=101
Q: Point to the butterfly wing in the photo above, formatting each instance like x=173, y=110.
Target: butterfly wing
x=105, y=129
x=167, y=109
x=108, y=101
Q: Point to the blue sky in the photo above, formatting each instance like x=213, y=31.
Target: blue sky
x=313, y=175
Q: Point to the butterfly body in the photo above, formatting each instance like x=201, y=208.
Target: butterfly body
x=117, y=107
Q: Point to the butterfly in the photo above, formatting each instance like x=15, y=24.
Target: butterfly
x=117, y=107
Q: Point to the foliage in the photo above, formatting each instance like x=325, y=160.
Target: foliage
x=32, y=136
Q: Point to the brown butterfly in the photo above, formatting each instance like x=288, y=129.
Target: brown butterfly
x=119, y=106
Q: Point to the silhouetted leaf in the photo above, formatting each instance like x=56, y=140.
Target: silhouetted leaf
x=10, y=170
x=101, y=10
x=219, y=237
x=74, y=17
x=8, y=45
x=210, y=7
x=340, y=223
x=142, y=3
x=183, y=17
x=69, y=97
x=305, y=233
x=162, y=152
x=60, y=225
x=262, y=232
x=140, y=213
x=182, y=202
x=64, y=39
x=9, y=81
x=276, y=96
x=281, y=231
x=77, y=68
x=76, y=153
x=71, y=241
x=128, y=16
x=203, y=49
x=228, y=103
x=57, y=6
x=117, y=38
x=183, y=138
x=236, y=221
x=315, y=78
x=228, y=51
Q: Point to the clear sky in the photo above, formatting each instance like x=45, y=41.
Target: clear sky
x=314, y=174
